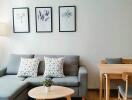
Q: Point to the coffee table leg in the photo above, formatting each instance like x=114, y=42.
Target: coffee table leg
x=68, y=97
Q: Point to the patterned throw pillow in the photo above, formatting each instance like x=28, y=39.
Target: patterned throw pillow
x=53, y=67
x=28, y=67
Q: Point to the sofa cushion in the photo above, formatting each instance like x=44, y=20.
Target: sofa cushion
x=36, y=81
x=12, y=77
x=41, y=66
x=71, y=63
x=14, y=62
x=28, y=67
x=66, y=81
x=2, y=71
x=10, y=89
x=53, y=67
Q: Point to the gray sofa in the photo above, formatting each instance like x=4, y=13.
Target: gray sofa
x=13, y=88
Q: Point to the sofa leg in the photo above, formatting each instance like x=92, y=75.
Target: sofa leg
x=83, y=98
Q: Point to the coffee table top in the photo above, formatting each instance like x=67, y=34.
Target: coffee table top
x=54, y=93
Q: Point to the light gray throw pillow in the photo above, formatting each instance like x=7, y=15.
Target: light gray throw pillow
x=28, y=67
x=54, y=67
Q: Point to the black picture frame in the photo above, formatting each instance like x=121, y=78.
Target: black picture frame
x=42, y=28
x=73, y=21
x=18, y=14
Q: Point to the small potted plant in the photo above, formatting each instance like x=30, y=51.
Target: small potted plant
x=47, y=84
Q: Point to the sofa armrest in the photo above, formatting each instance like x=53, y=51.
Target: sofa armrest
x=83, y=79
x=2, y=71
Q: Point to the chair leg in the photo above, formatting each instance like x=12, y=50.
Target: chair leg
x=104, y=87
x=125, y=98
x=107, y=87
x=83, y=98
x=119, y=98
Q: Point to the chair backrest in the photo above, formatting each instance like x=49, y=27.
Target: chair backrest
x=124, y=61
x=127, y=76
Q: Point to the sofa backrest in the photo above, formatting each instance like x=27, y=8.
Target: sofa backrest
x=71, y=63
x=14, y=62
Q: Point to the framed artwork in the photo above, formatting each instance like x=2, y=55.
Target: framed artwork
x=21, y=22
x=67, y=18
x=43, y=19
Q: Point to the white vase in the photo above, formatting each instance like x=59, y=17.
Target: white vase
x=47, y=89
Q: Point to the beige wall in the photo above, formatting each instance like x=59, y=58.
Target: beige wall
x=104, y=29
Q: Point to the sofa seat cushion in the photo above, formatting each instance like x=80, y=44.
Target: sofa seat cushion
x=66, y=81
x=10, y=89
x=12, y=77
x=36, y=81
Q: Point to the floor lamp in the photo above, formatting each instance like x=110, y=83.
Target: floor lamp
x=4, y=29
x=4, y=33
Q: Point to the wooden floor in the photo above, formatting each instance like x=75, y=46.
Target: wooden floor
x=94, y=95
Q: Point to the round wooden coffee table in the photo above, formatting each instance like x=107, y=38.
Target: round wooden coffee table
x=39, y=93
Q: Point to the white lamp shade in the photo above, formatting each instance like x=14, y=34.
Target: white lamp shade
x=4, y=29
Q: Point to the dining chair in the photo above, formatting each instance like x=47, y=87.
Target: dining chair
x=125, y=89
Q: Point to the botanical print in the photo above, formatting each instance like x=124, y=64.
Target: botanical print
x=43, y=16
x=21, y=20
x=67, y=13
x=43, y=19
x=20, y=17
x=67, y=18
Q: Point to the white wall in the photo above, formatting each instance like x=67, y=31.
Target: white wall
x=104, y=29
